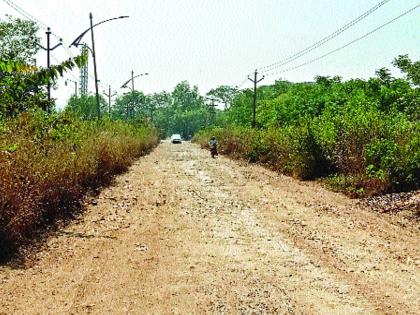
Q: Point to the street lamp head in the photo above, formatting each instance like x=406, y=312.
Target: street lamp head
x=76, y=42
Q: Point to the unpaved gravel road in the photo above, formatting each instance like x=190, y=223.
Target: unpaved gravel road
x=181, y=233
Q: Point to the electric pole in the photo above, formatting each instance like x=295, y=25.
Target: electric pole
x=255, y=81
x=109, y=95
x=94, y=66
x=212, y=107
x=49, y=49
x=75, y=85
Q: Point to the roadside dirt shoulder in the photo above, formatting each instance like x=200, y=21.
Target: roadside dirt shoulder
x=181, y=233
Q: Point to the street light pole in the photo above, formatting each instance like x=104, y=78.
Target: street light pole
x=132, y=80
x=129, y=112
x=132, y=94
x=78, y=39
x=98, y=108
x=76, y=43
x=48, y=32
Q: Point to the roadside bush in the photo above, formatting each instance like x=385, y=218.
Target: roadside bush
x=238, y=142
x=290, y=150
x=49, y=162
x=358, y=149
x=361, y=136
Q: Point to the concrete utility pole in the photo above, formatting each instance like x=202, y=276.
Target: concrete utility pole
x=49, y=49
x=212, y=106
x=255, y=81
x=75, y=85
x=109, y=95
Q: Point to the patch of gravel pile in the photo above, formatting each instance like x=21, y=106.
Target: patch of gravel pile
x=394, y=203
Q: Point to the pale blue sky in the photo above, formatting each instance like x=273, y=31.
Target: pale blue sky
x=218, y=42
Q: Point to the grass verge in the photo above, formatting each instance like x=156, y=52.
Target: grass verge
x=49, y=162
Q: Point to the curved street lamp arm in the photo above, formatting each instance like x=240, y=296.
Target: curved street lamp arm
x=76, y=42
x=125, y=84
x=139, y=75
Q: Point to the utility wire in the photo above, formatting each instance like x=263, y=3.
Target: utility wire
x=348, y=44
x=243, y=82
x=27, y=15
x=322, y=41
x=56, y=60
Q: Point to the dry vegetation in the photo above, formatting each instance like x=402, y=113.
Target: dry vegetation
x=49, y=162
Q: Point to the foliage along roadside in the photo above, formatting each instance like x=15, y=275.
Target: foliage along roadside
x=48, y=162
x=21, y=84
x=361, y=136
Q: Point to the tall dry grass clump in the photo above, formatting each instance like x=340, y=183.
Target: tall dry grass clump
x=49, y=162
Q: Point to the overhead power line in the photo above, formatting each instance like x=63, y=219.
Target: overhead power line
x=346, y=45
x=42, y=24
x=243, y=82
x=29, y=16
x=323, y=41
x=26, y=14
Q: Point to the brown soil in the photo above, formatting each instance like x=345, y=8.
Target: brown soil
x=181, y=233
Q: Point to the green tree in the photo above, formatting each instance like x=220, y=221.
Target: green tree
x=18, y=40
x=224, y=94
x=158, y=102
x=18, y=45
x=22, y=84
x=410, y=68
x=130, y=105
x=85, y=106
x=186, y=97
x=384, y=75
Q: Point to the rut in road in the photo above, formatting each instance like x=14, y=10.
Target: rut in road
x=182, y=233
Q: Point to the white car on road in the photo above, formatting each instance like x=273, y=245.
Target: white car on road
x=176, y=138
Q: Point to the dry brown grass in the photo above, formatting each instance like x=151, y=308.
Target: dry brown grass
x=47, y=165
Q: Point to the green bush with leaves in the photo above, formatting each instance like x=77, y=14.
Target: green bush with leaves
x=363, y=136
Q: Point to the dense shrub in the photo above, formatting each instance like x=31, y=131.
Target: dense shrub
x=363, y=136
x=49, y=162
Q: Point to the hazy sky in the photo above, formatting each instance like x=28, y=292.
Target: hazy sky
x=214, y=42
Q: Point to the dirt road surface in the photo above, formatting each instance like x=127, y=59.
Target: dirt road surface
x=181, y=233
